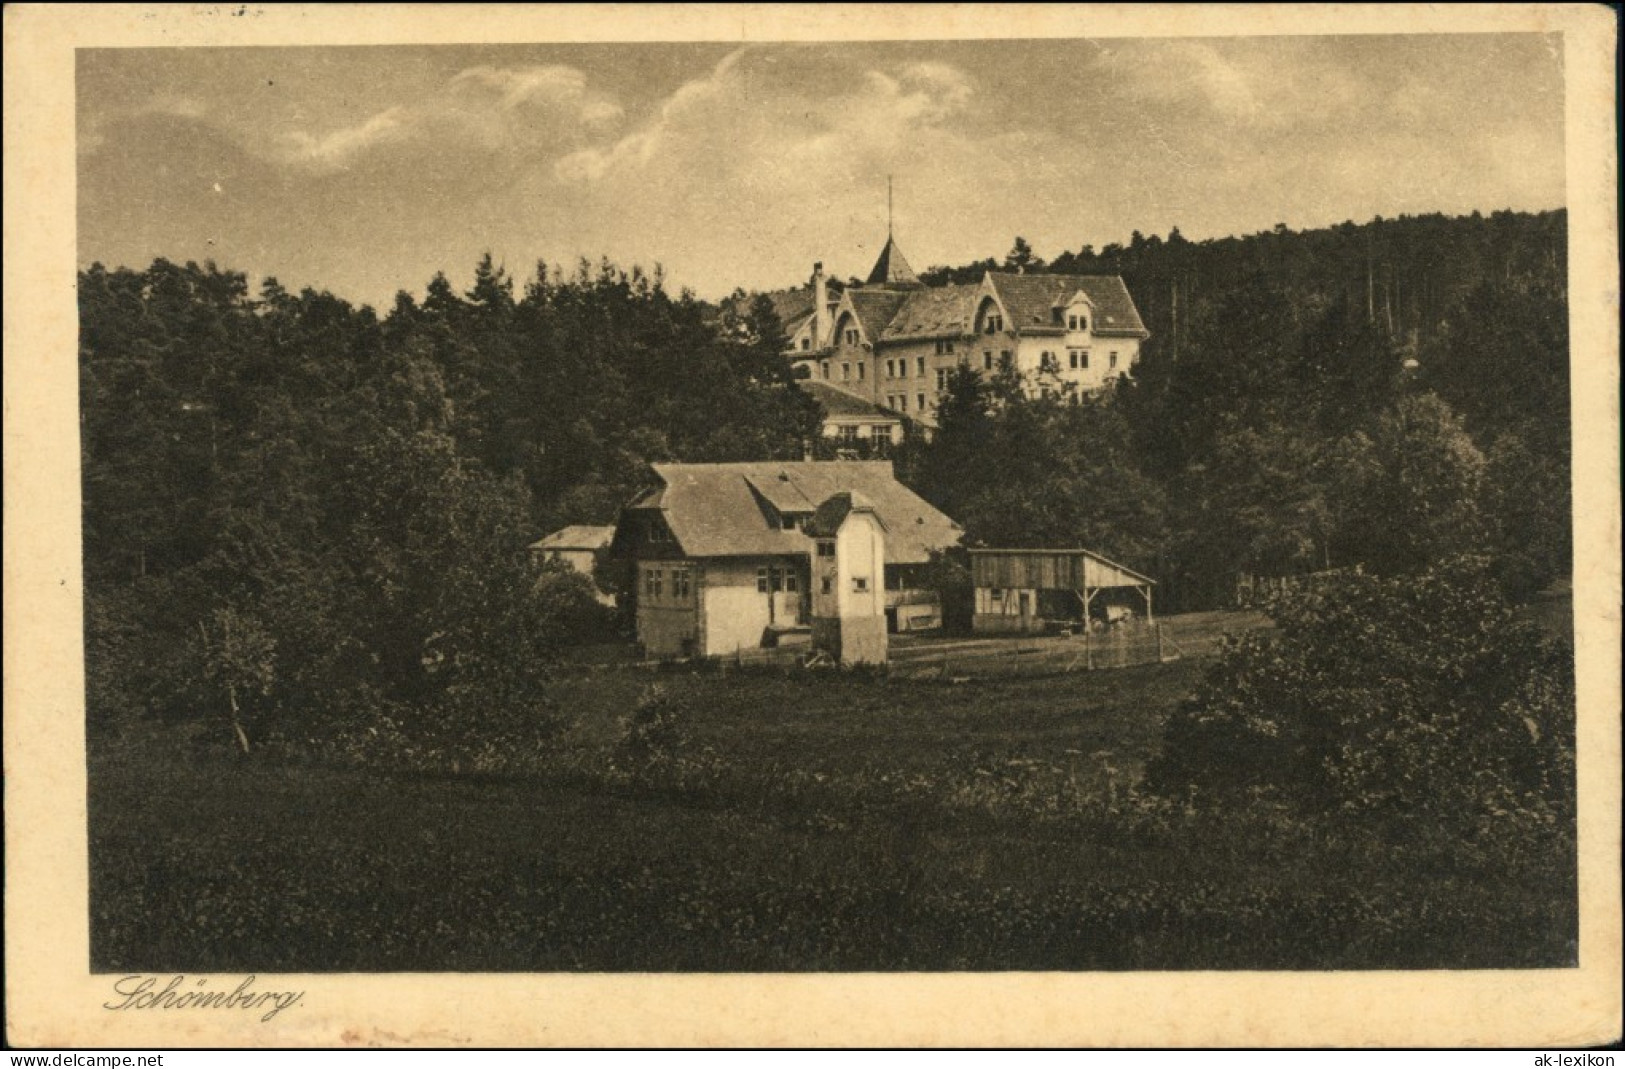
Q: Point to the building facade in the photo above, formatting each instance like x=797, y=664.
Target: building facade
x=894, y=341
x=722, y=556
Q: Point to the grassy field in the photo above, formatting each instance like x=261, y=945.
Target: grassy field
x=825, y=821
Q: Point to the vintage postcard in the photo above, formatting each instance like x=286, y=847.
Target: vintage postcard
x=889, y=525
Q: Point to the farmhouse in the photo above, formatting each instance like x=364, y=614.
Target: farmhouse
x=893, y=341
x=722, y=556
x=850, y=420
x=580, y=546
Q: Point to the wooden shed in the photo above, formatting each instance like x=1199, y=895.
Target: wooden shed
x=1014, y=586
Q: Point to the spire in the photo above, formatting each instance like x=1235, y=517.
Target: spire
x=892, y=268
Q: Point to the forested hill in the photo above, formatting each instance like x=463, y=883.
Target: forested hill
x=295, y=500
x=1280, y=366
x=1407, y=274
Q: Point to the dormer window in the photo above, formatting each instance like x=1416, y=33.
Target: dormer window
x=850, y=336
x=658, y=532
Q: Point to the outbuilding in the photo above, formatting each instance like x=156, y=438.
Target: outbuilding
x=1024, y=591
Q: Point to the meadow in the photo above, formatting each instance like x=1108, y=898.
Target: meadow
x=784, y=821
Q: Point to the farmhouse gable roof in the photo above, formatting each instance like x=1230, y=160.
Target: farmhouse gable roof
x=717, y=510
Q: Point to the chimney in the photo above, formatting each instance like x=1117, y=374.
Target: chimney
x=820, y=324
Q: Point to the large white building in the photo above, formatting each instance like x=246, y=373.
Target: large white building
x=894, y=340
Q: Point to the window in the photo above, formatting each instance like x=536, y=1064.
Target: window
x=994, y=323
x=1083, y=322
x=806, y=343
x=996, y=594
x=1057, y=314
x=849, y=433
x=919, y=367
x=945, y=347
x=826, y=548
x=942, y=378
x=679, y=584
x=1048, y=363
x=851, y=336
x=987, y=360
x=825, y=368
x=654, y=584
x=763, y=579
x=1072, y=359
x=902, y=402
x=787, y=523
x=861, y=368
x=891, y=372
x=919, y=399
x=1071, y=322
x=1080, y=358
x=792, y=582
x=1004, y=358
x=1111, y=360
x=860, y=583
x=658, y=532
x=846, y=372
x=828, y=585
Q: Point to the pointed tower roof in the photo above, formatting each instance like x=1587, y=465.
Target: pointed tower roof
x=892, y=269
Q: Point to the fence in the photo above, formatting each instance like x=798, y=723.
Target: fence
x=1115, y=647
x=1173, y=638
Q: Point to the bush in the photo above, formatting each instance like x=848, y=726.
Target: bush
x=656, y=732
x=1418, y=693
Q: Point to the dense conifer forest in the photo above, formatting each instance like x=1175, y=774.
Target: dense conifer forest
x=292, y=503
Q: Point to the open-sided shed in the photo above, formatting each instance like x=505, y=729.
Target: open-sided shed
x=1009, y=583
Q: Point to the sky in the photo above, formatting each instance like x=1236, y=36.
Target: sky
x=365, y=170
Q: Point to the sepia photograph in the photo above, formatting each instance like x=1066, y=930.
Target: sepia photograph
x=968, y=504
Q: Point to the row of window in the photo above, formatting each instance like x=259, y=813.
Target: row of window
x=899, y=402
x=851, y=432
x=898, y=369
x=846, y=371
x=657, y=581
x=1077, y=360
x=771, y=579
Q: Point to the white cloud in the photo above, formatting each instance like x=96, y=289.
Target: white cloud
x=336, y=150
x=741, y=119
x=563, y=93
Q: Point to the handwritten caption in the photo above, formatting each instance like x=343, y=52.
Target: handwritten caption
x=141, y=992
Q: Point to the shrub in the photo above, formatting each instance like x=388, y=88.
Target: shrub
x=656, y=732
x=1415, y=693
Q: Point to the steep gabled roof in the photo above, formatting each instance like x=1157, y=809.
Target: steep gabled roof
x=715, y=510
x=1030, y=301
x=839, y=404
x=876, y=309
x=934, y=312
x=892, y=269
x=577, y=536
x=826, y=522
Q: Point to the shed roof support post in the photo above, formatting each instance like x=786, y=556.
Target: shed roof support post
x=1145, y=592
